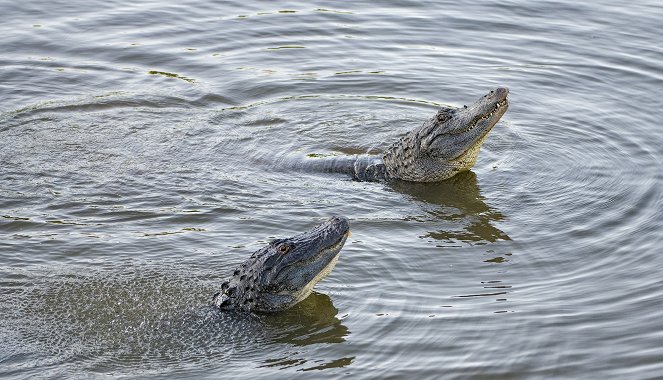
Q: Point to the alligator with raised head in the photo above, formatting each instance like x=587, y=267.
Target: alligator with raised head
x=443, y=146
x=284, y=272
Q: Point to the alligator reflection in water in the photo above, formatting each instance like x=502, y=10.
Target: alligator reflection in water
x=312, y=321
x=457, y=210
x=462, y=203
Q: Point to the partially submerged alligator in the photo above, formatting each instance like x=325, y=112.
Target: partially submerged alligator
x=284, y=272
x=443, y=146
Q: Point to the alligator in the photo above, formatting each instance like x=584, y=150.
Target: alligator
x=285, y=271
x=443, y=146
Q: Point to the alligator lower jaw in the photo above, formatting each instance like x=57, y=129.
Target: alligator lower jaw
x=336, y=247
x=308, y=288
x=498, y=107
x=339, y=244
x=335, y=251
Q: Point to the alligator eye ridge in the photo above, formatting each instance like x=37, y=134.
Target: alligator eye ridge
x=284, y=248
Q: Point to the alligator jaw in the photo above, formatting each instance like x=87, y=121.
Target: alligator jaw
x=465, y=127
x=331, y=255
x=484, y=123
x=297, y=277
x=285, y=271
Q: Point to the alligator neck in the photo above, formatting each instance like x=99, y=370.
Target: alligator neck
x=369, y=168
x=360, y=167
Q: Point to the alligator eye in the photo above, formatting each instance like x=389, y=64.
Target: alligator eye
x=283, y=249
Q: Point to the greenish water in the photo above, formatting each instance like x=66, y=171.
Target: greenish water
x=144, y=150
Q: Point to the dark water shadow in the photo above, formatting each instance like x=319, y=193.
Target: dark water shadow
x=309, y=322
x=464, y=215
x=458, y=213
x=313, y=321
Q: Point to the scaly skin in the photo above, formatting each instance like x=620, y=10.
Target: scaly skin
x=446, y=144
x=284, y=272
x=443, y=146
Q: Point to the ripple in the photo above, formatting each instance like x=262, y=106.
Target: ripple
x=147, y=319
x=125, y=184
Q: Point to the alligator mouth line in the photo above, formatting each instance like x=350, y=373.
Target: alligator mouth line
x=478, y=119
x=323, y=252
x=336, y=247
x=306, y=290
x=498, y=106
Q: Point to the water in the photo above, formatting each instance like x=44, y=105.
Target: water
x=144, y=151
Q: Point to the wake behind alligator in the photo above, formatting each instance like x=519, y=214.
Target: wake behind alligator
x=442, y=147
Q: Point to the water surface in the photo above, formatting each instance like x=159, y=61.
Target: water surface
x=144, y=150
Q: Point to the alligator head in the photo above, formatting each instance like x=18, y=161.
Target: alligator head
x=284, y=272
x=448, y=143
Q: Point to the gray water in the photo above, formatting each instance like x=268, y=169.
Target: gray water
x=144, y=149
